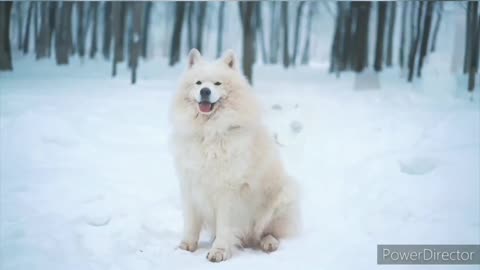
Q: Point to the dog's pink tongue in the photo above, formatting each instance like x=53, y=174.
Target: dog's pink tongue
x=205, y=107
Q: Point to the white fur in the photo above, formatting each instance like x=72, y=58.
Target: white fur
x=232, y=180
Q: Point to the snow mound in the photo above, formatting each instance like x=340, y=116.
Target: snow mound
x=417, y=165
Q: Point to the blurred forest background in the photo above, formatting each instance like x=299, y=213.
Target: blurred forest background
x=365, y=35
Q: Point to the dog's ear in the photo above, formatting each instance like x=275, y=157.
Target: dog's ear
x=193, y=57
x=230, y=59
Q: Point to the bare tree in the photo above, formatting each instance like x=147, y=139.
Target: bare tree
x=35, y=25
x=201, y=12
x=360, y=60
x=190, y=6
x=52, y=23
x=69, y=26
x=221, y=11
x=118, y=21
x=392, y=10
x=425, y=37
x=62, y=42
x=297, y=31
x=26, y=39
x=43, y=40
x=335, y=48
x=284, y=16
x=401, y=55
x=274, y=32
x=382, y=8
x=437, y=25
x=137, y=13
x=145, y=27
x=5, y=46
x=248, y=29
x=19, y=12
x=472, y=43
x=346, y=37
x=261, y=31
x=415, y=38
x=94, y=12
x=107, y=29
x=177, y=33
x=80, y=28
x=306, y=47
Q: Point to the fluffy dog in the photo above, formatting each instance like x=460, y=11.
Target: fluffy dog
x=232, y=180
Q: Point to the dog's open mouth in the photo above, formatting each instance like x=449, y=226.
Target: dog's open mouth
x=205, y=106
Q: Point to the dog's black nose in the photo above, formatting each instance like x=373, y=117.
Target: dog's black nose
x=205, y=92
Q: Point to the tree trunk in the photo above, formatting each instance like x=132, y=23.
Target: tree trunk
x=335, y=48
x=62, y=42
x=69, y=27
x=401, y=55
x=248, y=38
x=306, y=48
x=261, y=31
x=286, y=56
x=146, y=27
x=437, y=25
x=137, y=14
x=52, y=21
x=116, y=7
x=221, y=12
x=26, y=40
x=425, y=37
x=361, y=35
x=5, y=46
x=382, y=8
x=118, y=21
x=93, y=46
x=190, y=6
x=201, y=12
x=18, y=11
x=475, y=43
x=35, y=25
x=346, y=38
x=470, y=30
x=80, y=28
x=391, y=30
x=415, y=39
x=107, y=29
x=43, y=39
x=177, y=33
x=274, y=32
x=297, y=31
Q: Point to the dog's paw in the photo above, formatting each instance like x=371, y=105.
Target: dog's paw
x=188, y=246
x=269, y=243
x=218, y=254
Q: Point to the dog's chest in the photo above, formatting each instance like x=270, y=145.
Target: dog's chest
x=215, y=160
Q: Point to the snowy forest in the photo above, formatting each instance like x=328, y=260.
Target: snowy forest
x=271, y=32
x=373, y=107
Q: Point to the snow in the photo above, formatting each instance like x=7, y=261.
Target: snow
x=87, y=179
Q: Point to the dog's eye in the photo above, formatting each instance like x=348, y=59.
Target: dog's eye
x=218, y=83
x=198, y=82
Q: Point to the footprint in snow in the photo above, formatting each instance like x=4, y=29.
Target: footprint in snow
x=296, y=126
x=98, y=220
x=417, y=165
x=97, y=213
x=277, y=107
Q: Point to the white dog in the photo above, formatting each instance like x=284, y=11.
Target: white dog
x=231, y=177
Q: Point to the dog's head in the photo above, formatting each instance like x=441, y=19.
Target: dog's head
x=214, y=90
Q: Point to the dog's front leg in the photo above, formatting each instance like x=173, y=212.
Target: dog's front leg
x=227, y=228
x=192, y=225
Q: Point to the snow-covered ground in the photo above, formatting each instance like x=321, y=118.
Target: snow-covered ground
x=87, y=181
